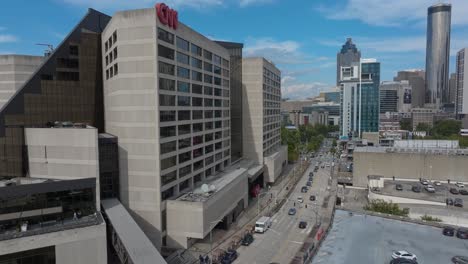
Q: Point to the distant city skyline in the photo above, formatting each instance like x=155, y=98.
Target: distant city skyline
x=303, y=46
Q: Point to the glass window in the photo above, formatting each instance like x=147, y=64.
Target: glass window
x=183, y=172
x=196, y=63
x=169, y=177
x=208, y=102
x=167, y=194
x=197, y=114
x=218, y=135
x=168, y=163
x=196, y=50
x=184, y=157
x=209, y=149
x=184, y=129
x=208, y=90
x=185, y=143
x=199, y=164
x=183, y=115
x=182, y=58
x=196, y=101
x=165, y=52
x=183, y=72
x=225, y=93
x=208, y=67
x=218, y=113
x=217, y=60
x=217, y=103
x=225, y=73
x=182, y=44
x=217, y=92
x=209, y=160
x=167, y=116
x=208, y=78
x=208, y=137
x=218, y=124
x=197, y=127
x=208, y=114
x=208, y=55
x=217, y=70
x=183, y=100
x=168, y=147
x=166, y=68
x=208, y=125
x=197, y=76
x=196, y=88
x=165, y=36
x=225, y=63
x=197, y=140
x=183, y=87
x=166, y=100
x=169, y=131
x=217, y=81
x=225, y=83
x=166, y=84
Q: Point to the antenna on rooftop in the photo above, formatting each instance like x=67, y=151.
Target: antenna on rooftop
x=49, y=50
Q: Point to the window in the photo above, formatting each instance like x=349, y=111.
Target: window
x=167, y=194
x=208, y=125
x=208, y=102
x=186, y=184
x=183, y=87
x=197, y=127
x=166, y=68
x=218, y=135
x=208, y=114
x=184, y=157
x=196, y=88
x=167, y=116
x=217, y=70
x=209, y=160
x=184, y=115
x=182, y=44
x=225, y=93
x=169, y=131
x=165, y=36
x=166, y=100
x=196, y=101
x=196, y=63
x=184, y=129
x=217, y=81
x=208, y=137
x=208, y=67
x=225, y=83
x=197, y=76
x=196, y=50
x=74, y=50
x=197, y=177
x=116, y=69
x=218, y=113
x=183, y=100
x=225, y=63
x=208, y=55
x=166, y=84
x=225, y=73
x=217, y=60
x=183, y=72
x=197, y=140
x=209, y=149
x=198, y=114
x=183, y=172
x=208, y=90
x=115, y=53
x=198, y=153
x=217, y=103
x=182, y=58
x=217, y=92
x=169, y=177
x=165, y=52
x=107, y=75
x=169, y=162
x=168, y=147
x=208, y=78
x=114, y=36
x=218, y=124
x=185, y=143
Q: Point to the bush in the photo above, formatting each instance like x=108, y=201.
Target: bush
x=384, y=207
x=430, y=218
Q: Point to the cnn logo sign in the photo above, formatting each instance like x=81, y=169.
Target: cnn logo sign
x=167, y=16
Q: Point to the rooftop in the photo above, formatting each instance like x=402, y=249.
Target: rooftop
x=427, y=151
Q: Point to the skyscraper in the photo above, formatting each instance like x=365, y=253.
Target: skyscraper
x=437, y=55
x=461, y=101
x=348, y=54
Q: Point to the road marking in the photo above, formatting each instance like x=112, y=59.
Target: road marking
x=296, y=242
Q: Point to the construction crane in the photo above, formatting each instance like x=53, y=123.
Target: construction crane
x=49, y=50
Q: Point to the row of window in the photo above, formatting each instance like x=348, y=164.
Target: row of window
x=182, y=72
x=181, y=115
x=110, y=41
x=170, y=162
x=170, y=100
x=112, y=71
x=170, y=85
x=172, y=131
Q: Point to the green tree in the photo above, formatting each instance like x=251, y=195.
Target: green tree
x=405, y=124
x=334, y=144
x=423, y=127
x=446, y=128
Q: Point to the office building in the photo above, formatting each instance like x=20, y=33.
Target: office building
x=14, y=71
x=417, y=82
x=452, y=88
x=461, y=104
x=332, y=108
x=395, y=97
x=348, y=55
x=423, y=115
x=332, y=96
x=359, y=106
x=261, y=116
x=437, y=55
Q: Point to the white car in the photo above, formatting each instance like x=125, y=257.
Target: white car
x=403, y=254
x=460, y=185
x=424, y=182
x=437, y=183
x=300, y=199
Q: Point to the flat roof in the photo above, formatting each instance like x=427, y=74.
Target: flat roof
x=136, y=243
x=434, y=151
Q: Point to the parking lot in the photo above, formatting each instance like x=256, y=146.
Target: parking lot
x=364, y=239
x=441, y=192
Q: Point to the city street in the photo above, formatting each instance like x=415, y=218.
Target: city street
x=281, y=242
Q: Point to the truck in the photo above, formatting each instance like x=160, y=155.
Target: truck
x=262, y=224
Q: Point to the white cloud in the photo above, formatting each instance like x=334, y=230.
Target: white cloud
x=244, y=3
x=135, y=4
x=8, y=38
x=303, y=90
x=392, y=13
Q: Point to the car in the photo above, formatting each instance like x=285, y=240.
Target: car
x=309, y=183
x=460, y=185
x=429, y=188
x=416, y=189
x=403, y=254
x=448, y=231
x=304, y=189
x=458, y=202
x=312, y=198
x=424, y=182
x=463, y=192
x=311, y=179
x=460, y=260
x=300, y=200
x=454, y=191
x=292, y=211
x=302, y=224
x=247, y=240
x=449, y=201
x=399, y=187
x=311, y=174
x=403, y=261
x=437, y=183
x=229, y=256
x=462, y=233
x=322, y=166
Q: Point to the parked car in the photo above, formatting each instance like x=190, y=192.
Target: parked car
x=292, y=211
x=399, y=187
x=229, y=256
x=304, y=189
x=448, y=231
x=449, y=201
x=429, y=188
x=311, y=178
x=460, y=260
x=416, y=189
x=312, y=198
x=403, y=261
x=462, y=233
x=311, y=174
x=309, y=183
x=424, y=182
x=463, y=192
x=300, y=200
x=460, y=185
x=247, y=240
x=454, y=191
x=437, y=183
x=403, y=254
x=302, y=224
x=458, y=202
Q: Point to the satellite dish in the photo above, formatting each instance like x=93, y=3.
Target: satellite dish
x=212, y=188
x=205, y=188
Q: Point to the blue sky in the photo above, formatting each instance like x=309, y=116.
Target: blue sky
x=302, y=39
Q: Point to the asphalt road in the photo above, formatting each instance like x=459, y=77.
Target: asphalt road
x=371, y=240
x=284, y=239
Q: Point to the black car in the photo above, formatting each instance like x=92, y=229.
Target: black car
x=247, y=240
x=460, y=260
x=304, y=189
x=302, y=224
x=454, y=191
x=458, y=202
x=309, y=183
x=312, y=198
x=449, y=201
x=229, y=256
x=311, y=174
x=311, y=178
x=462, y=233
x=463, y=192
x=448, y=231
x=403, y=261
x=399, y=187
x=416, y=189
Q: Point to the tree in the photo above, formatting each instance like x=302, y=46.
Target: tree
x=423, y=127
x=446, y=128
x=334, y=144
x=405, y=124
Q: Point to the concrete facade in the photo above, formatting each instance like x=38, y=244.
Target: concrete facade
x=15, y=70
x=166, y=97
x=395, y=97
x=423, y=115
x=416, y=79
x=461, y=100
x=275, y=163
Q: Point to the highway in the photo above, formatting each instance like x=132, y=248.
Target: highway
x=280, y=243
